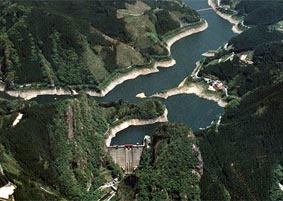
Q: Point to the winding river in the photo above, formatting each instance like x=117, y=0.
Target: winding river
x=189, y=109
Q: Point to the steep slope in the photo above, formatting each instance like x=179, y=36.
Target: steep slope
x=257, y=12
x=253, y=59
x=243, y=160
x=243, y=154
x=169, y=170
x=56, y=151
x=83, y=43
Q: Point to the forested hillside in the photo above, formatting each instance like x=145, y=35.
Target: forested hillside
x=244, y=159
x=56, y=151
x=257, y=12
x=243, y=156
x=83, y=43
x=169, y=170
x=262, y=46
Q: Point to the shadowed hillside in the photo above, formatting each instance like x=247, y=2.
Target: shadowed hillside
x=56, y=151
x=257, y=12
x=83, y=43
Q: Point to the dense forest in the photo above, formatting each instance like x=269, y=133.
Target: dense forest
x=257, y=12
x=83, y=43
x=243, y=160
x=264, y=48
x=57, y=150
x=243, y=156
x=169, y=170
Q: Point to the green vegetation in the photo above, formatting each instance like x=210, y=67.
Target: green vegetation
x=263, y=47
x=83, y=43
x=243, y=155
x=57, y=150
x=257, y=12
x=253, y=37
x=243, y=161
x=169, y=169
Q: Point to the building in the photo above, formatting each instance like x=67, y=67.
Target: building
x=244, y=58
x=219, y=86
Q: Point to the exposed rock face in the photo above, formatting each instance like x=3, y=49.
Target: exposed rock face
x=70, y=122
x=7, y=191
x=199, y=167
x=18, y=119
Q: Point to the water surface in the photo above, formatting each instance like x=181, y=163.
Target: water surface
x=189, y=109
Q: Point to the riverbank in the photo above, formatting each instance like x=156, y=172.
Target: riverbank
x=28, y=94
x=33, y=93
x=226, y=16
x=236, y=29
x=192, y=88
x=186, y=33
x=133, y=122
x=132, y=75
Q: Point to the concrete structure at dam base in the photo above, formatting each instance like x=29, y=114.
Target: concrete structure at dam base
x=128, y=156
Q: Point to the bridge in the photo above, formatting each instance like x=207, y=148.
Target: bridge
x=205, y=9
x=128, y=156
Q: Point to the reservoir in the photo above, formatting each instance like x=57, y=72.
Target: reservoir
x=188, y=109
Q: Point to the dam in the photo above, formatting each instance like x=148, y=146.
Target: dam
x=128, y=156
x=188, y=109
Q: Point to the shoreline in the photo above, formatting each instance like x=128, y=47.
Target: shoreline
x=193, y=88
x=33, y=93
x=132, y=75
x=236, y=29
x=133, y=122
x=227, y=17
x=184, y=34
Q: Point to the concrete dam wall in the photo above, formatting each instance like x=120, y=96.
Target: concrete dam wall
x=126, y=156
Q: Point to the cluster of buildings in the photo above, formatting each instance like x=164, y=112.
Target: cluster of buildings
x=216, y=85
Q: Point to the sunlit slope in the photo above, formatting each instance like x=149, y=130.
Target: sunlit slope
x=83, y=43
x=57, y=151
